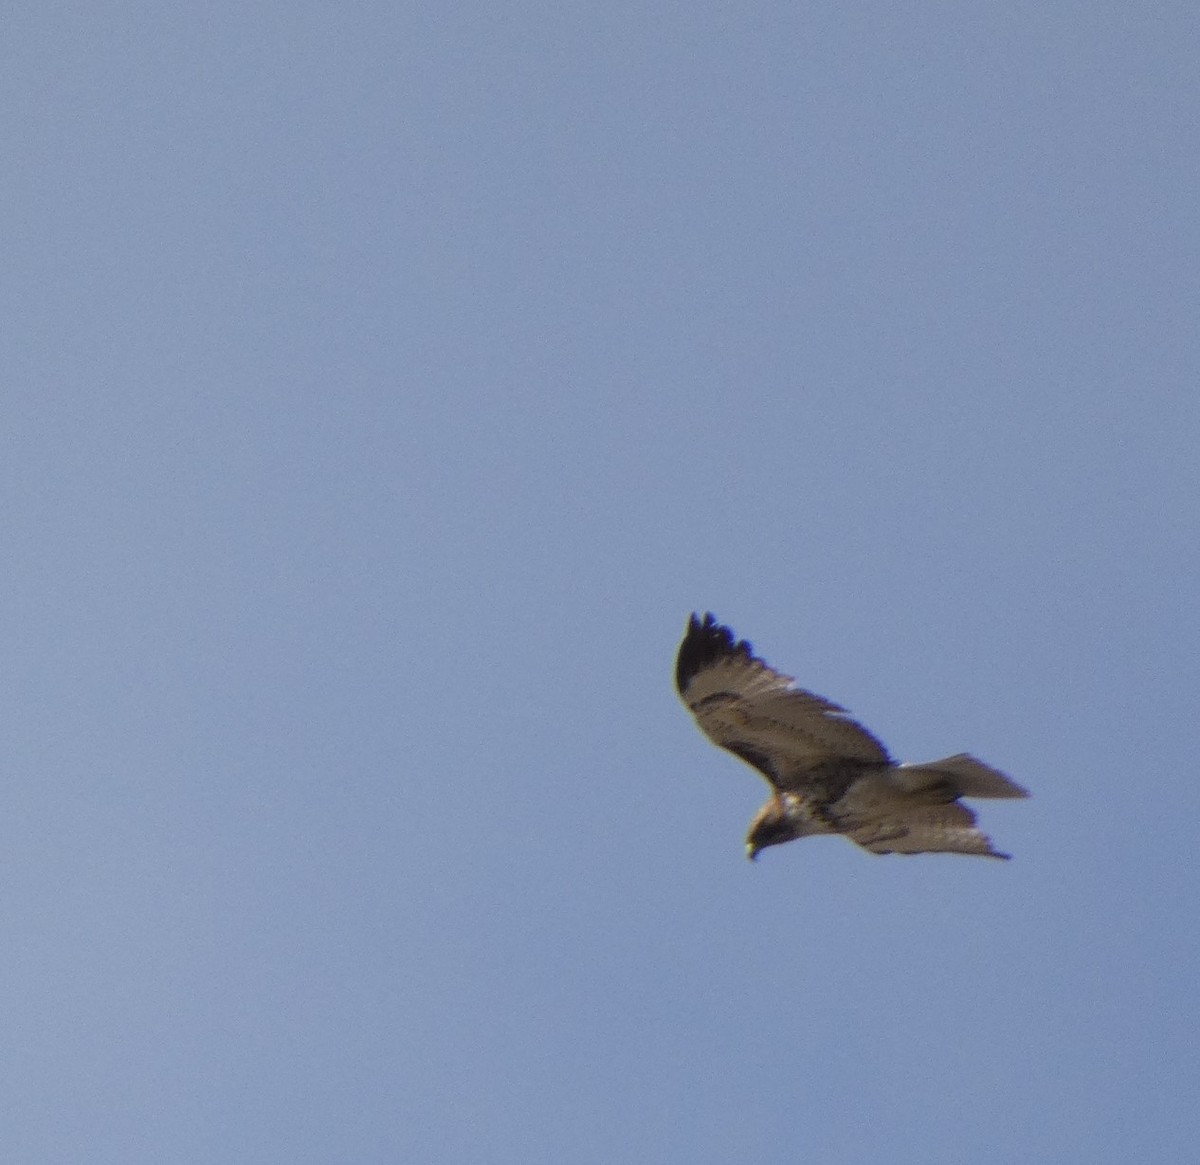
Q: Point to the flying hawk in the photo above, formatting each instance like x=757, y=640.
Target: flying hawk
x=827, y=773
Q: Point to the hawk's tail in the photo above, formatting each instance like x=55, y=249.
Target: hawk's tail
x=962, y=773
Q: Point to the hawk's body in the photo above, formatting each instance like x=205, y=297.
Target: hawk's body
x=827, y=773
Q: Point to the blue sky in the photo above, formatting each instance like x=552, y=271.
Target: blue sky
x=386, y=383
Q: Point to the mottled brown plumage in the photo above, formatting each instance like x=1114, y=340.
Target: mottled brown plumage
x=827, y=773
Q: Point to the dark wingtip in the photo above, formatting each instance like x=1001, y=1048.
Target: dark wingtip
x=704, y=643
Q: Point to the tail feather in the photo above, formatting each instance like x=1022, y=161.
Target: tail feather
x=967, y=776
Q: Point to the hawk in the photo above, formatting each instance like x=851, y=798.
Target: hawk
x=827, y=773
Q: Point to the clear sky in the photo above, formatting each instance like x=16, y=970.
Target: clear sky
x=384, y=384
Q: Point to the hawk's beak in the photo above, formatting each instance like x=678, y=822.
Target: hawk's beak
x=751, y=853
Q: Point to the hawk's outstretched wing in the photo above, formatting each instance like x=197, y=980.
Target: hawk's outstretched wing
x=926, y=829
x=914, y=809
x=788, y=734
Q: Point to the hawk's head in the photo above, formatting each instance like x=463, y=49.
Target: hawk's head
x=772, y=826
